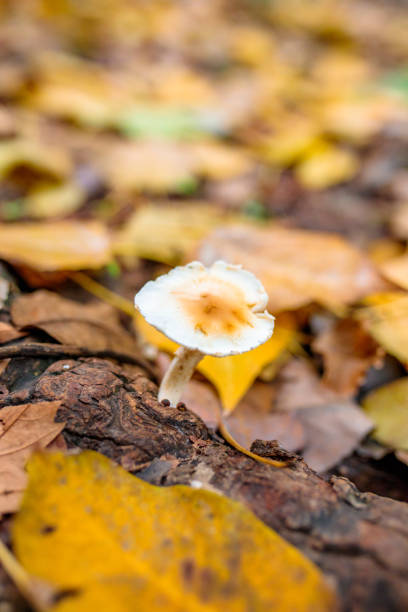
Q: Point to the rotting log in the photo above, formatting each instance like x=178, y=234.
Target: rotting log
x=359, y=540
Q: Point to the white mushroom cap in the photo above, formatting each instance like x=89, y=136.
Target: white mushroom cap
x=218, y=310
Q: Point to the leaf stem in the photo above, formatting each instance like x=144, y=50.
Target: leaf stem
x=20, y=577
x=228, y=438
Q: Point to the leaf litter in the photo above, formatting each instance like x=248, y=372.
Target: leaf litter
x=189, y=134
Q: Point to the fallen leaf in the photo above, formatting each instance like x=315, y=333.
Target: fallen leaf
x=167, y=233
x=255, y=417
x=8, y=332
x=327, y=167
x=395, y=270
x=78, y=90
x=95, y=326
x=218, y=161
x=54, y=201
x=63, y=245
x=290, y=141
x=153, y=166
x=42, y=159
x=385, y=317
x=162, y=121
x=388, y=408
x=332, y=426
x=399, y=220
x=123, y=528
x=23, y=429
x=332, y=432
x=348, y=352
x=296, y=267
x=232, y=376
x=299, y=386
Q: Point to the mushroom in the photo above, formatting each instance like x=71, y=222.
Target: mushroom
x=216, y=311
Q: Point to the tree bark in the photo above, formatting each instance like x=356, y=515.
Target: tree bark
x=359, y=540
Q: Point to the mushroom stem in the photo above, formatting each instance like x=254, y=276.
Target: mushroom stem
x=178, y=374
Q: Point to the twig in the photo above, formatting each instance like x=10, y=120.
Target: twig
x=44, y=350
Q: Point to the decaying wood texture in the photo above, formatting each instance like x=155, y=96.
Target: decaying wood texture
x=359, y=540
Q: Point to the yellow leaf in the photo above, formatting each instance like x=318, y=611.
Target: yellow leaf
x=388, y=408
x=45, y=160
x=54, y=200
x=232, y=376
x=250, y=45
x=77, y=89
x=153, y=166
x=326, y=167
x=64, y=245
x=167, y=233
x=218, y=161
x=291, y=140
x=386, y=319
x=396, y=270
x=121, y=544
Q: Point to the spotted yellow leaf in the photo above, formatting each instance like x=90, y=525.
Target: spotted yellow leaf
x=113, y=543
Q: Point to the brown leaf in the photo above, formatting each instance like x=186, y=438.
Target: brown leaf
x=332, y=432
x=23, y=429
x=296, y=267
x=299, y=387
x=348, y=351
x=94, y=325
x=303, y=415
x=255, y=417
x=8, y=332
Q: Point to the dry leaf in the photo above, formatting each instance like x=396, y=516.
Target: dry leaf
x=42, y=159
x=327, y=167
x=218, y=161
x=77, y=89
x=395, y=270
x=385, y=317
x=172, y=548
x=299, y=386
x=399, y=220
x=296, y=267
x=94, y=326
x=348, y=352
x=23, y=429
x=167, y=233
x=388, y=408
x=332, y=427
x=54, y=201
x=291, y=140
x=8, y=332
x=332, y=432
x=232, y=376
x=255, y=418
x=63, y=245
x=156, y=167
